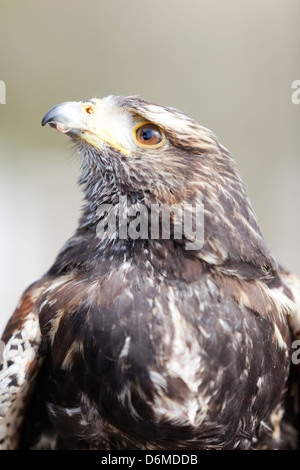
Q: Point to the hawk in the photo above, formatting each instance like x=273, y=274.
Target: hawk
x=132, y=342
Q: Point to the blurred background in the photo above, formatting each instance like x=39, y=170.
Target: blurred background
x=228, y=64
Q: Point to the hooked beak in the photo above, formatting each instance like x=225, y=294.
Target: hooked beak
x=68, y=117
x=80, y=120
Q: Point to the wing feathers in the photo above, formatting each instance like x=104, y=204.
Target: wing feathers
x=19, y=368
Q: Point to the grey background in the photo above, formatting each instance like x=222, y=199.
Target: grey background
x=229, y=64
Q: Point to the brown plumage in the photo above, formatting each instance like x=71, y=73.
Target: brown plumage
x=141, y=343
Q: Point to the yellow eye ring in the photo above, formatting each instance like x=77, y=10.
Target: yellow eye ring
x=148, y=135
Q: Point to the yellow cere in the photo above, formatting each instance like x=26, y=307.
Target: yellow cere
x=93, y=137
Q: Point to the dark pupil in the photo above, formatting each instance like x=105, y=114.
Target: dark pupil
x=148, y=134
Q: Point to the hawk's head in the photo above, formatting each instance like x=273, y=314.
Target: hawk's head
x=154, y=154
x=144, y=147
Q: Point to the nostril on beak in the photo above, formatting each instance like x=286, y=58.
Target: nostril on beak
x=88, y=108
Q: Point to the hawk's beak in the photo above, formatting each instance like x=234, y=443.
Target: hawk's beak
x=81, y=120
x=66, y=117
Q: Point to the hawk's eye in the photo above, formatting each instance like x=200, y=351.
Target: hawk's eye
x=148, y=134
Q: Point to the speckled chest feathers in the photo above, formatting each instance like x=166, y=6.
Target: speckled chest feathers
x=130, y=361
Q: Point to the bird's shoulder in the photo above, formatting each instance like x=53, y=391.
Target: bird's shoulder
x=19, y=364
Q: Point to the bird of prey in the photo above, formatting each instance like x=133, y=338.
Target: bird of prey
x=132, y=342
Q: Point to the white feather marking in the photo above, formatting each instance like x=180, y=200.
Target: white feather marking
x=125, y=349
x=293, y=282
x=281, y=343
x=183, y=362
x=15, y=378
x=284, y=305
x=58, y=282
